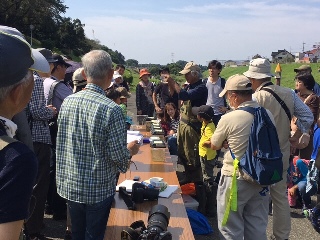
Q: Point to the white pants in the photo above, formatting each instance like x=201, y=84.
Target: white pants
x=250, y=220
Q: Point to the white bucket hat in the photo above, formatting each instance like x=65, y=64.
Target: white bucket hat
x=259, y=68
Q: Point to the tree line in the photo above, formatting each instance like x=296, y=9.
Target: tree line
x=49, y=28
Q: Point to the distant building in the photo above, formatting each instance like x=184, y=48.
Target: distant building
x=311, y=56
x=282, y=56
x=230, y=63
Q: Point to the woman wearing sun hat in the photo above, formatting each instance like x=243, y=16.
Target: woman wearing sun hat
x=144, y=92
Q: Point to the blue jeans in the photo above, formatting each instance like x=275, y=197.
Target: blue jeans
x=306, y=197
x=172, y=145
x=89, y=220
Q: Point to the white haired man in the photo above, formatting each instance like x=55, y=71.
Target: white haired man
x=86, y=172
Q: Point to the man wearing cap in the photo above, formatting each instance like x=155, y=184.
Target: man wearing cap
x=120, y=68
x=38, y=116
x=282, y=103
x=18, y=164
x=61, y=90
x=194, y=95
x=251, y=218
x=306, y=69
x=86, y=172
x=55, y=91
x=164, y=92
x=78, y=80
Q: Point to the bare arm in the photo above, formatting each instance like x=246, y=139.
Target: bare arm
x=154, y=99
x=174, y=85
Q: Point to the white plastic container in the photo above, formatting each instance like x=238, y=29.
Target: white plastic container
x=190, y=202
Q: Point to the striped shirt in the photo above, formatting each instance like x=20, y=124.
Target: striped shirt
x=91, y=146
x=38, y=113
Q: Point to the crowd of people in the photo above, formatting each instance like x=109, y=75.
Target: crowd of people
x=208, y=123
x=63, y=143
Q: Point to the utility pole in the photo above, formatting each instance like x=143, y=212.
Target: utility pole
x=172, y=57
x=303, y=43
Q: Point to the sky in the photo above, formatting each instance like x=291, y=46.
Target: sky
x=166, y=31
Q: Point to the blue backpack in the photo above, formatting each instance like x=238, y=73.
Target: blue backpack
x=262, y=161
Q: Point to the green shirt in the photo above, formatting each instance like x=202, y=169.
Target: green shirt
x=91, y=146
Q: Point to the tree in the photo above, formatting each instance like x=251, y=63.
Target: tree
x=181, y=63
x=132, y=63
x=22, y=13
x=72, y=37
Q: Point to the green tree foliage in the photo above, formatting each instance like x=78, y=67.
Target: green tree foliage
x=51, y=30
x=22, y=13
x=132, y=63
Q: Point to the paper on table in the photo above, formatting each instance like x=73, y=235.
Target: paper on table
x=164, y=194
x=133, y=132
x=134, y=135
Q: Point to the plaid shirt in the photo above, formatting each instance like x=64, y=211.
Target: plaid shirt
x=91, y=146
x=38, y=113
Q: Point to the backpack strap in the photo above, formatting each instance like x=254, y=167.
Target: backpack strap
x=51, y=91
x=223, y=84
x=251, y=110
x=281, y=102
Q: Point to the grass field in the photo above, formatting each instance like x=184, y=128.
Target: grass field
x=287, y=76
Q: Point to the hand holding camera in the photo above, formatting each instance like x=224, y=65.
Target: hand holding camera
x=133, y=147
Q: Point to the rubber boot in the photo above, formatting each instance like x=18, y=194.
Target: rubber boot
x=201, y=197
x=211, y=194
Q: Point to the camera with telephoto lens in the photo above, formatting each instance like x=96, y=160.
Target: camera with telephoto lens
x=158, y=221
x=141, y=192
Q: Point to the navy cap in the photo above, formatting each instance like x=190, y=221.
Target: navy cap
x=204, y=111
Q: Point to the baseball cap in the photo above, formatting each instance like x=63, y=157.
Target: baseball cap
x=190, y=66
x=77, y=78
x=59, y=59
x=17, y=57
x=259, y=68
x=236, y=82
x=47, y=54
x=303, y=68
x=116, y=75
x=204, y=111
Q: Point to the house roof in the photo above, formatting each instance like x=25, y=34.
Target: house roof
x=274, y=54
x=313, y=51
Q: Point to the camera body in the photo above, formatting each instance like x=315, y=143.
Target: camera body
x=141, y=192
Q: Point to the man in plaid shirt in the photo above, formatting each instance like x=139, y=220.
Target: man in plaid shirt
x=91, y=149
x=38, y=116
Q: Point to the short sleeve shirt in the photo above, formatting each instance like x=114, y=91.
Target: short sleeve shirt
x=234, y=127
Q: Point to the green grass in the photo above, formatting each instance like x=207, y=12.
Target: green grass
x=287, y=75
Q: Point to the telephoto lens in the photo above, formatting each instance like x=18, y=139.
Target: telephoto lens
x=158, y=222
